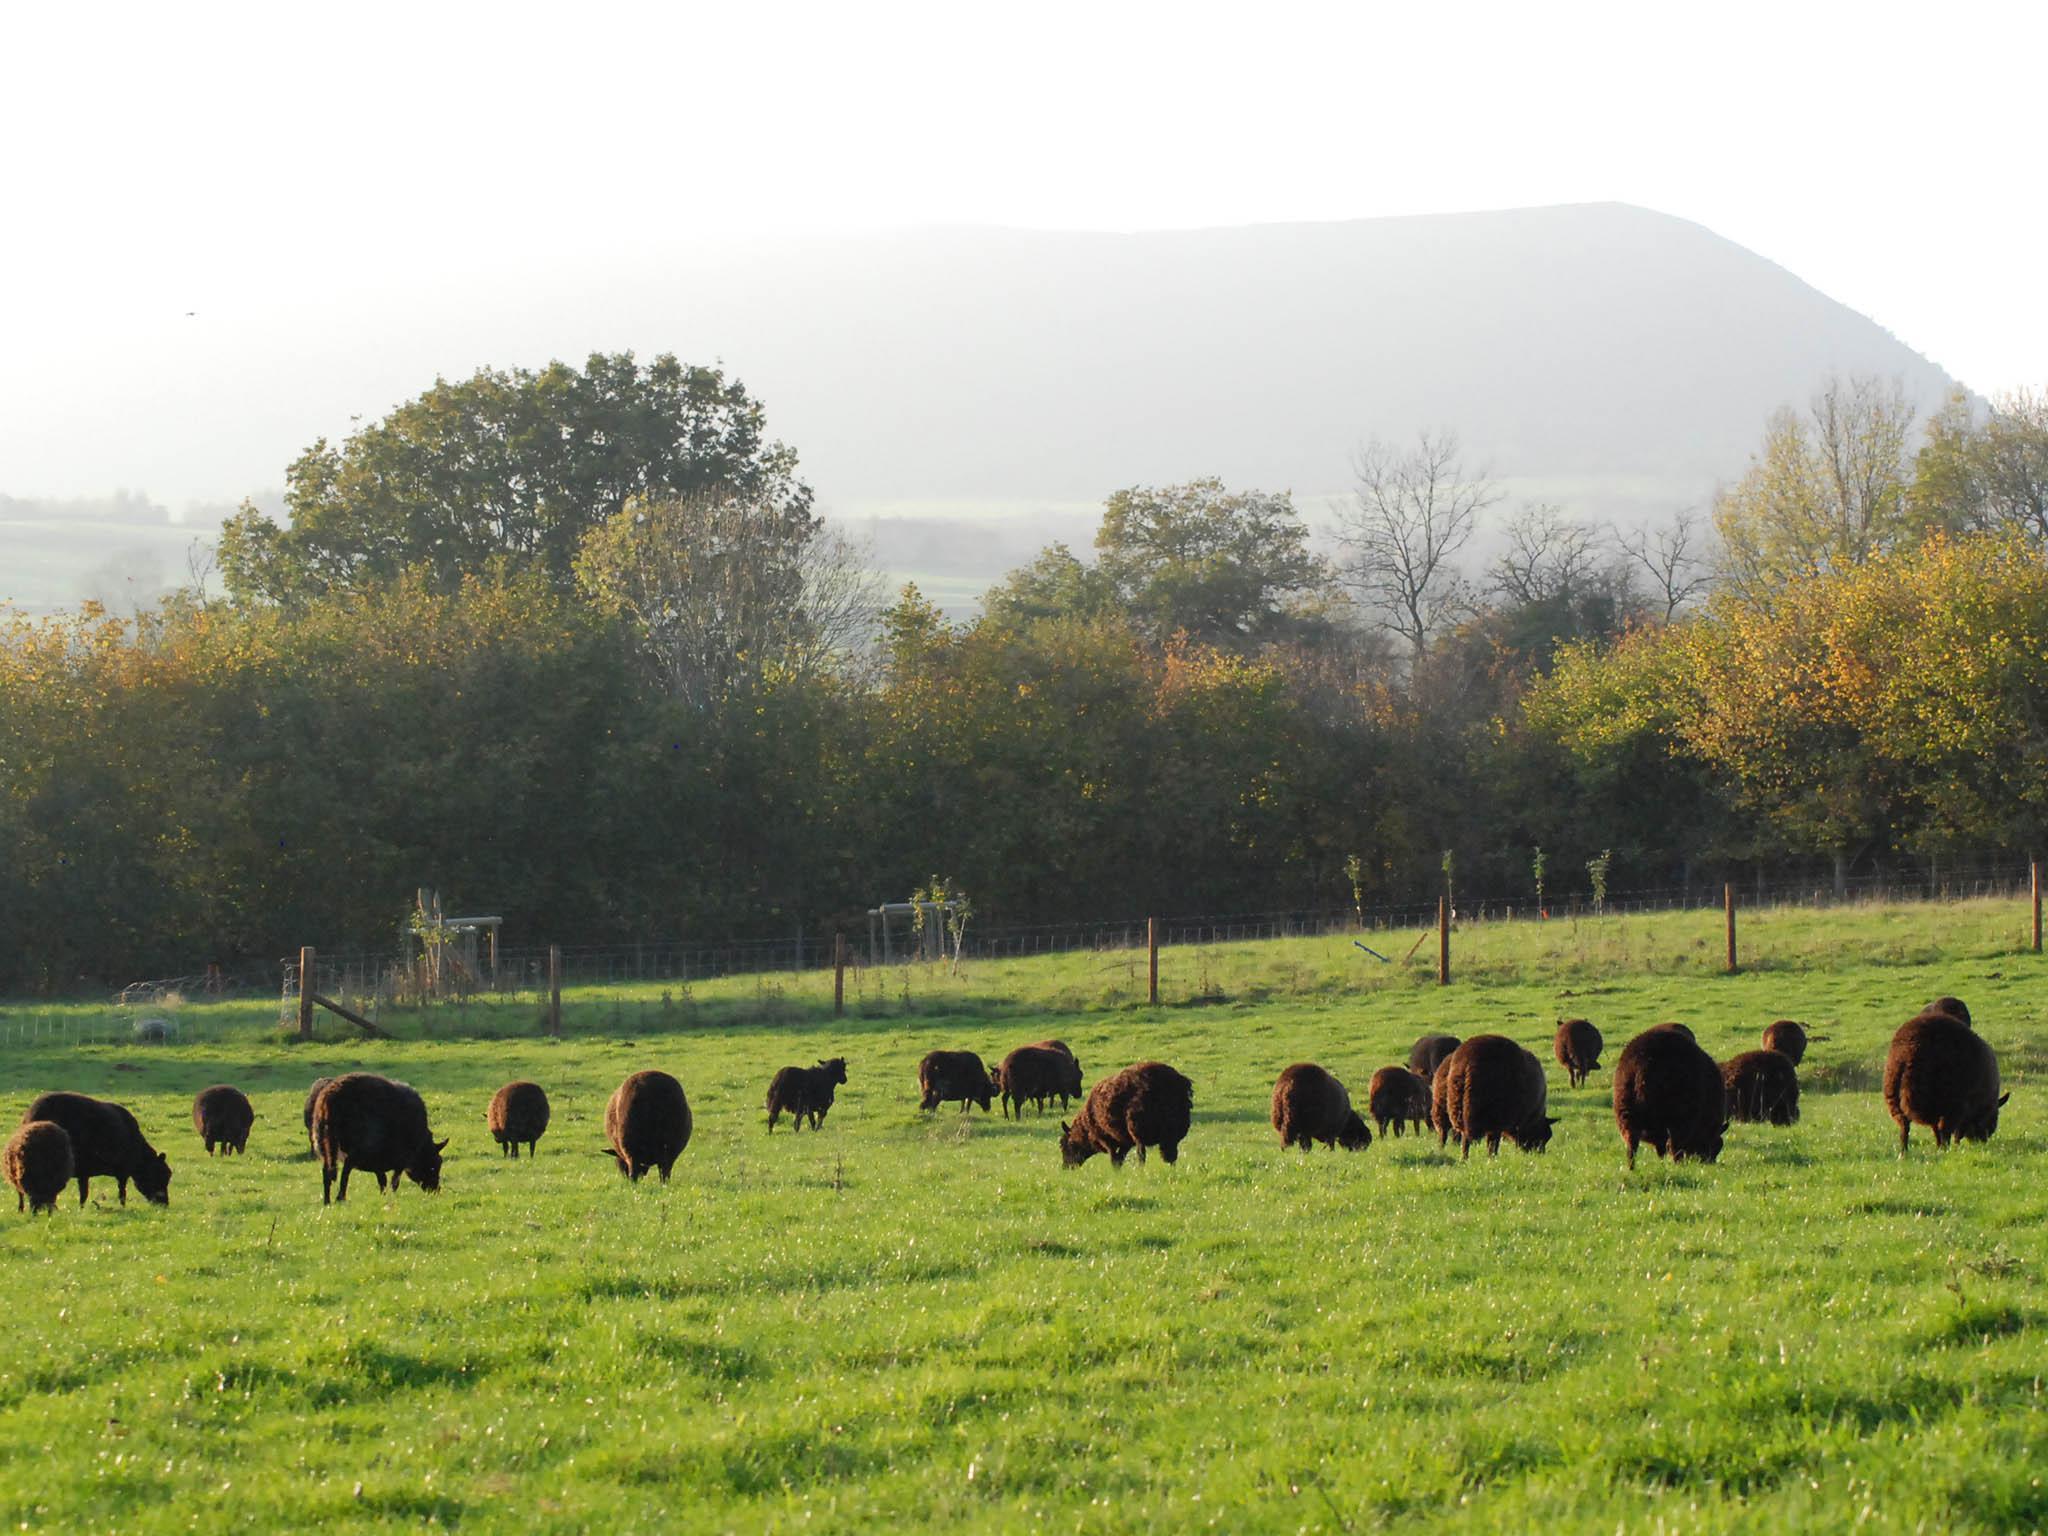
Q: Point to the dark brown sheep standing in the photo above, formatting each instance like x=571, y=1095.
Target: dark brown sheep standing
x=804, y=1091
x=518, y=1112
x=1429, y=1053
x=1492, y=1088
x=944, y=1075
x=647, y=1124
x=106, y=1142
x=1309, y=1105
x=1761, y=1086
x=1071, y=1088
x=1145, y=1105
x=1788, y=1039
x=1668, y=1093
x=1398, y=1098
x=313, y=1093
x=1940, y=1073
x=376, y=1124
x=222, y=1115
x=1577, y=1048
x=1037, y=1073
x=38, y=1164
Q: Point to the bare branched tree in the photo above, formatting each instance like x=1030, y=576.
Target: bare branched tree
x=1548, y=555
x=1671, y=556
x=1413, y=510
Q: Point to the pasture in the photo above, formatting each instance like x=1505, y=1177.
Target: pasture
x=923, y=1322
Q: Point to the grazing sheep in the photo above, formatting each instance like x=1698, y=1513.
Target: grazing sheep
x=1761, y=1086
x=106, y=1142
x=1492, y=1087
x=1942, y=1074
x=1309, y=1105
x=1668, y=1092
x=804, y=1091
x=1577, y=1048
x=1037, y=1073
x=376, y=1124
x=1788, y=1039
x=1399, y=1098
x=958, y=1075
x=38, y=1164
x=313, y=1093
x=1429, y=1053
x=518, y=1112
x=647, y=1123
x=222, y=1114
x=1148, y=1104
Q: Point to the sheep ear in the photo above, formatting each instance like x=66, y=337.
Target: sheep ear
x=1065, y=1126
x=2003, y=1097
x=443, y=1142
x=1550, y=1119
x=1724, y=1126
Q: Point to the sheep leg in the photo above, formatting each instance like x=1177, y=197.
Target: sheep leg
x=1628, y=1140
x=347, y=1168
x=326, y=1183
x=121, y=1187
x=1905, y=1130
x=533, y=1148
x=1465, y=1142
x=81, y=1188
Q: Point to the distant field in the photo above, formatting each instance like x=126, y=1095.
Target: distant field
x=923, y=1322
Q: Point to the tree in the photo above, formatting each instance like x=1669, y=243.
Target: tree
x=1669, y=557
x=1413, y=510
x=506, y=466
x=1055, y=585
x=1547, y=557
x=1986, y=472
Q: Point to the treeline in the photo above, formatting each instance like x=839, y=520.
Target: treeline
x=573, y=647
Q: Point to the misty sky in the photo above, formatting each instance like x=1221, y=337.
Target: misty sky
x=203, y=158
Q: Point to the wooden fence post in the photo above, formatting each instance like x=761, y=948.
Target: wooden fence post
x=555, y=990
x=2034, y=880
x=838, y=975
x=1443, y=940
x=1728, y=909
x=306, y=992
x=1152, y=960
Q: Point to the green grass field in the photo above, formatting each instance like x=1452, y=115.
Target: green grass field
x=924, y=1322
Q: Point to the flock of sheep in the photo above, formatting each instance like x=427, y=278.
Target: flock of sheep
x=1668, y=1094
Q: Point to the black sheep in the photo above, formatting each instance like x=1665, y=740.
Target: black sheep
x=376, y=1124
x=1761, y=1086
x=944, y=1075
x=106, y=1142
x=1787, y=1038
x=1940, y=1073
x=1668, y=1093
x=1037, y=1073
x=647, y=1123
x=37, y=1162
x=1397, y=1097
x=804, y=1091
x=1310, y=1105
x=222, y=1115
x=1148, y=1104
x=518, y=1112
x=1429, y=1053
x=1577, y=1048
x=1492, y=1087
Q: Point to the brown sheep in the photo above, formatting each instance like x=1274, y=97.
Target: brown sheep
x=804, y=1091
x=1942, y=1074
x=1429, y=1053
x=1071, y=1088
x=518, y=1112
x=106, y=1141
x=1761, y=1086
x=313, y=1093
x=1953, y=1007
x=1037, y=1073
x=223, y=1114
x=376, y=1124
x=1668, y=1093
x=958, y=1075
x=1788, y=1039
x=1148, y=1104
x=1577, y=1048
x=1492, y=1087
x=1399, y=1098
x=647, y=1124
x=1309, y=1105
x=38, y=1164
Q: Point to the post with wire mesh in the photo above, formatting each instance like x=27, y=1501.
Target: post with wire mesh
x=555, y=990
x=2034, y=881
x=306, y=992
x=1443, y=940
x=1728, y=909
x=838, y=975
x=1152, y=960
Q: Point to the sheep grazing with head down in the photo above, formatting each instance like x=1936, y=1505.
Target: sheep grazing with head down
x=647, y=1124
x=1036, y=1073
x=106, y=1142
x=222, y=1115
x=944, y=1075
x=804, y=1091
x=1941, y=1074
x=1145, y=1105
x=518, y=1112
x=38, y=1164
x=1577, y=1048
x=1761, y=1086
x=1309, y=1105
x=1397, y=1097
x=1668, y=1093
x=1787, y=1038
x=1492, y=1087
x=376, y=1124
x=1429, y=1053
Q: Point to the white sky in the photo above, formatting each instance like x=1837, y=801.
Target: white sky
x=162, y=158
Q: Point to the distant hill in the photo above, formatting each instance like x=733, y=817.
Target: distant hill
x=1612, y=359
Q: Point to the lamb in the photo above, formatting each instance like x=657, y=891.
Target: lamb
x=1147, y=1104
x=38, y=1164
x=1788, y=1039
x=518, y=1112
x=804, y=1091
x=1309, y=1105
x=106, y=1142
x=1492, y=1087
x=1668, y=1092
x=222, y=1114
x=958, y=1075
x=377, y=1124
x=647, y=1124
x=313, y=1093
x=1399, y=1098
x=1429, y=1053
x=1761, y=1086
x=1037, y=1073
x=1577, y=1048
x=1942, y=1074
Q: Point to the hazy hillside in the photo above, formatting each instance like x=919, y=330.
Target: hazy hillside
x=1613, y=359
